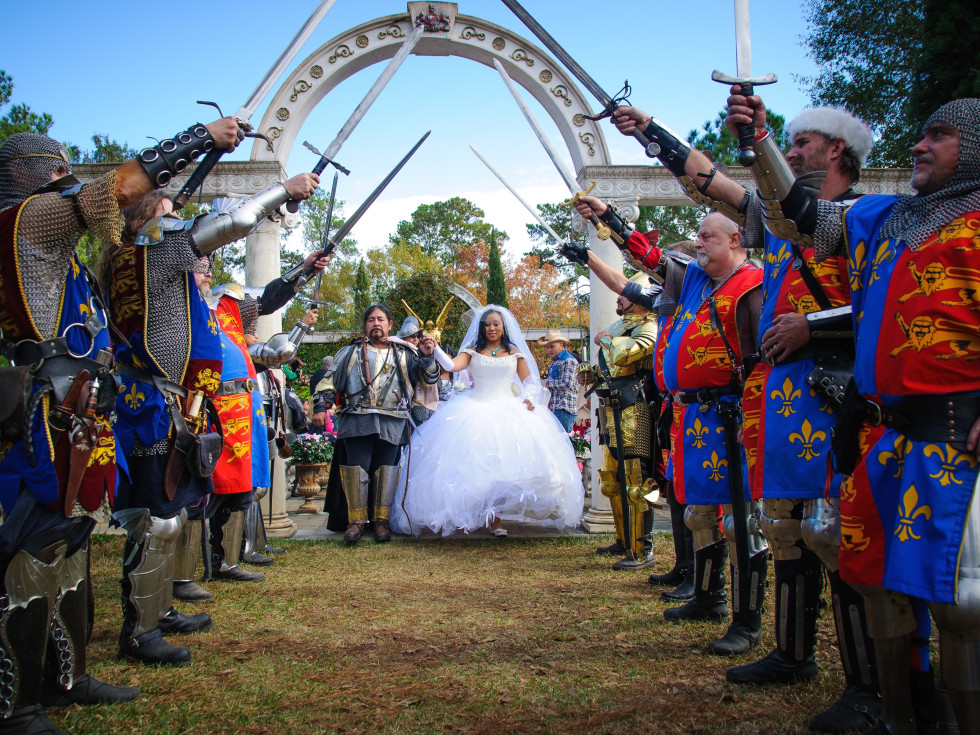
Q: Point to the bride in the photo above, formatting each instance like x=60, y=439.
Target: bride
x=492, y=453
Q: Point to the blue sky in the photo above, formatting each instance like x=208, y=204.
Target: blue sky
x=133, y=70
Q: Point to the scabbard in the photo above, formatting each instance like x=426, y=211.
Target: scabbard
x=81, y=453
x=729, y=412
x=59, y=418
x=175, y=468
x=615, y=403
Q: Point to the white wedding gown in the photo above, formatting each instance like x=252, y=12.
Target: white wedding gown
x=482, y=456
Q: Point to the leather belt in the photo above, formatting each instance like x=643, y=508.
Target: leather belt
x=161, y=383
x=705, y=395
x=236, y=386
x=935, y=418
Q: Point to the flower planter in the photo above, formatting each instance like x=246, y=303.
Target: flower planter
x=308, y=485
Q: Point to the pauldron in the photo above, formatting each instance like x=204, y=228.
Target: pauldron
x=784, y=200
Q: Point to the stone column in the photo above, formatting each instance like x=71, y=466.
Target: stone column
x=602, y=313
x=261, y=266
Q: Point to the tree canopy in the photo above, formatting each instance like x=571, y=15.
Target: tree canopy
x=444, y=229
x=19, y=118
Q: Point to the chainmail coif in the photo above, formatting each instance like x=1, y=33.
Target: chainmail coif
x=27, y=161
x=915, y=218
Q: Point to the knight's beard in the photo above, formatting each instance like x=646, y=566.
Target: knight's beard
x=376, y=335
x=703, y=259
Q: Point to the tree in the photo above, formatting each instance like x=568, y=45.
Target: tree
x=444, y=229
x=559, y=218
x=496, y=286
x=362, y=288
x=673, y=223
x=19, y=118
x=427, y=294
x=870, y=56
x=946, y=76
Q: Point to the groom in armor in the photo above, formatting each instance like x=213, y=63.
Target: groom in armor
x=371, y=381
x=624, y=370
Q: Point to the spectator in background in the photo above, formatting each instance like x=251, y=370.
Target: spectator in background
x=561, y=378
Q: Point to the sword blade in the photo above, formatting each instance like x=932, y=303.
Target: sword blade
x=552, y=152
x=743, y=40
x=246, y=111
x=372, y=94
x=326, y=231
x=561, y=54
x=534, y=212
x=365, y=205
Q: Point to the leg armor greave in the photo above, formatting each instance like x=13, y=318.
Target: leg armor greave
x=821, y=529
x=385, y=484
x=70, y=623
x=781, y=525
x=231, y=538
x=748, y=586
x=757, y=542
x=148, y=566
x=959, y=629
x=609, y=487
x=857, y=651
x=255, y=539
x=641, y=513
x=891, y=622
x=30, y=588
x=355, y=483
x=703, y=522
x=187, y=552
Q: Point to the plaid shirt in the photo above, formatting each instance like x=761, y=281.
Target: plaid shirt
x=562, y=384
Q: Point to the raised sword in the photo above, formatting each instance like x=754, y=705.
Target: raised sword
x=602, y=229
x=744, y=78
x=301, y=274
x=253, y=101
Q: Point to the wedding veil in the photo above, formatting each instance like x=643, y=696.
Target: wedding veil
x=517, y=342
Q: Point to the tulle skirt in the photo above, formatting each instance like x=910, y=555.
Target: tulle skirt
x=474, y=461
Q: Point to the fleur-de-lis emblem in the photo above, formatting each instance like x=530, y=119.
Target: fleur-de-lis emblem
x=698, y=431
x=884, y=255
x=75, y=268
x=902, y=447
x=134, y=399
x=715, y=464
x=4, y=448
x=949, y=461
x=856, y=263
x=788, y=394
x=908, y=512
x=807, y=439
x=212, y=324
x=85, y=310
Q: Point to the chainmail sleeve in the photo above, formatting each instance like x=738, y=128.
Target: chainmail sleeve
x=828, y=236
x=248, y=308
x=168, y=322
x=755, y=230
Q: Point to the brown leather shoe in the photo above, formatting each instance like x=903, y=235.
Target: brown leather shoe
x=382, y=533
x=353, y=534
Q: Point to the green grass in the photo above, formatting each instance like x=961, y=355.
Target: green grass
x=441, y=636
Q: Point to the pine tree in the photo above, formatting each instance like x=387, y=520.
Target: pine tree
x=496, y=287
x=362, y=289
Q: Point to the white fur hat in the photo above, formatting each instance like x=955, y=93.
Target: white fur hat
x=835, y=122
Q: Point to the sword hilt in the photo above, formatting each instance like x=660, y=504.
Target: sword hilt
x=746, y=133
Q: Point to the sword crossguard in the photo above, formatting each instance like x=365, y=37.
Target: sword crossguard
x=746, y=133
x=601, y=228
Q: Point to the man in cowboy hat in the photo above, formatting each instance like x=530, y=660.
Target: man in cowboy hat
x=561, y=378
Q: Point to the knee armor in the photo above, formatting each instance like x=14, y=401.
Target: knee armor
x=757, y=542
x=890, y=614
x=703, y=522
x=821, y=530
x=782, y=527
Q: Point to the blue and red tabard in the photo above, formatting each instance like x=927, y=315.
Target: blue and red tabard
x=917, y=321
x=787, y=425
x=141, y=409
x=245, y=461
x=694, y=357
x=46, y=478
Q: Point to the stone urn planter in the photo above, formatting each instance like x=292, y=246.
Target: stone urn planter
x=324, y=478
x=308, y=485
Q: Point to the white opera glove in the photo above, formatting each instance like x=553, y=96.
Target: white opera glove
x=443, y=360
x=530, y=391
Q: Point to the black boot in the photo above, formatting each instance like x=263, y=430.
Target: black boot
x=150, y=648
x=748, y=591
x=683, y=547
x=860, y=705
x=798, y=586
x=176, y=623
x=709, y=593
x=614, y=549
x=66, y=661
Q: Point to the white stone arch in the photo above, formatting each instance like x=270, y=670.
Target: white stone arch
x=469, y=38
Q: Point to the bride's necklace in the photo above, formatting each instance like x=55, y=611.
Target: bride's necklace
x=493, y=353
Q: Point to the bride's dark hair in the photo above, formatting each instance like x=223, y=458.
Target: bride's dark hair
x=481, y=334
